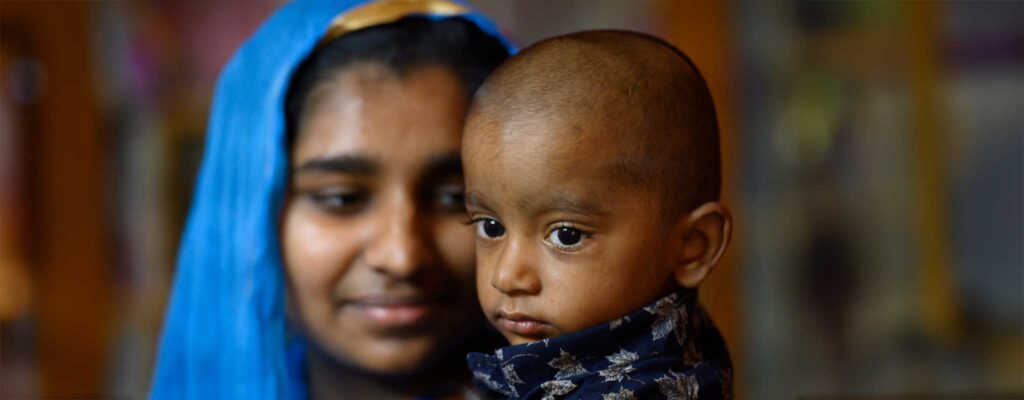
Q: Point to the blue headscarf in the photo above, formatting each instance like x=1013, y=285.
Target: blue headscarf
x=225, y=334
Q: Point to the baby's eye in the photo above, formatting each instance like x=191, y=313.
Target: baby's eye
x=489, y=229
x=566, y=238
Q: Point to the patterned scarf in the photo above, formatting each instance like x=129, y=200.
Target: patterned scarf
x=666, y=350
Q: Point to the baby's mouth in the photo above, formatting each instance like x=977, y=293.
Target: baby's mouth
x=521, y=324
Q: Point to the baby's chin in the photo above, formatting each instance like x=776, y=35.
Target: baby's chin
x=515, y=340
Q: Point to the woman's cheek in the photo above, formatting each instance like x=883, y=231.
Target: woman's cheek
x=456, y=245
x=315, y=254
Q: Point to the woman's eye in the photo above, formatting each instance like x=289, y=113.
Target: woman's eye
x=338, y=202
x=566, y=238
x=451, y=200
x=489, y=229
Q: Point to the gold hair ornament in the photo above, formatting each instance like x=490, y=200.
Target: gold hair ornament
x=387, y=11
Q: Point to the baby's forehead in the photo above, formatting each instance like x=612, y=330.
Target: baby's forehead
x=596, y=148
x=550, y=137
x=535, y=181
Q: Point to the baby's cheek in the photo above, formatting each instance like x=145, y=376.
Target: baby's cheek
x=569, y=295
x=599, y=297
x=485, y=293
x=485, y=261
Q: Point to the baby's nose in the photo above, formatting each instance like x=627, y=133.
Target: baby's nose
x=516, y=272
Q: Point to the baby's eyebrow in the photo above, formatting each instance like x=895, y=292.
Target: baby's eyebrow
x=472, y=200
x=630, y=172
x=566, y=204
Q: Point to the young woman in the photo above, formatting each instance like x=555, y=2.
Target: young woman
x=326, y=253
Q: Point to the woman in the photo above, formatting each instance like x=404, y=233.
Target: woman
x=331, y=178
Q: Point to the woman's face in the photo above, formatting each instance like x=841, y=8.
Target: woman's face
x=379, y=257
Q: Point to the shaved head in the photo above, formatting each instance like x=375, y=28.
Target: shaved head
x=632, y=94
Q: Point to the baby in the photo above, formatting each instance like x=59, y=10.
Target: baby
x=592, y=177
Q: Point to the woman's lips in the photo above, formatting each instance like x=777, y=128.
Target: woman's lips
x=521, y=324
x=392, y=313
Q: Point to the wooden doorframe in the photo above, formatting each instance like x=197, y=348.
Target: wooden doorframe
x=67, y=173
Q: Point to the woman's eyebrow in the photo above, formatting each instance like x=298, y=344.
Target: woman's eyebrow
x=351, y=164
x=444, y=165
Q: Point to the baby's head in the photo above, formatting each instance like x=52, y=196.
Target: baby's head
x=592, y=175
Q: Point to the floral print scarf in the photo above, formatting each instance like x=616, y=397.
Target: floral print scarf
x=666, y=350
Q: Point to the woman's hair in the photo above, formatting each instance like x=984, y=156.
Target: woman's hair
x=454, y=43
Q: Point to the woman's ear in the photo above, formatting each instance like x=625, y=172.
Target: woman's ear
x=703, y=236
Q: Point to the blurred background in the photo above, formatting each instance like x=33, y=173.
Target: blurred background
x=874, y=158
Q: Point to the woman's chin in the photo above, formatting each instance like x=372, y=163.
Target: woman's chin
x=392, y=356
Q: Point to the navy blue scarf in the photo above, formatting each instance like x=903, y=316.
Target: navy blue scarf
x=666, y=350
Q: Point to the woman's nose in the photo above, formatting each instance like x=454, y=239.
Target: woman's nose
x=400, y=246
x=516, y=271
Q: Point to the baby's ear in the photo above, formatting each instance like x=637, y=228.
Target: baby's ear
x=702, y=236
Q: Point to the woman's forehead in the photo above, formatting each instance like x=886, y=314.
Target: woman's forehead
x=413, y=118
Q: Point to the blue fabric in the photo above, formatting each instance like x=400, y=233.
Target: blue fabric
x=666, y=350
x=225, y=334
